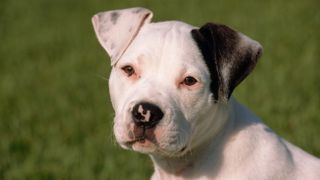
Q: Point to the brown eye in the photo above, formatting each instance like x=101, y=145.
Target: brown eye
x=128, y=70
x=189, y=81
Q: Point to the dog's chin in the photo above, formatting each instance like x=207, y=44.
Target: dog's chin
x=146, y=146
x=143, y=146
x=159, y=141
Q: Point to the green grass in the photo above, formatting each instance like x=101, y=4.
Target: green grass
x=55, y=113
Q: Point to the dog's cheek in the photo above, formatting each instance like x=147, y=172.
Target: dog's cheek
x=113, y=86
x=175, y=134
x=193, y=103
x=118, y=90
x=120, y=129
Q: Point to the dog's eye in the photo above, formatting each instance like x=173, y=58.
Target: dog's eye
x=189, y=81
x=128, y=70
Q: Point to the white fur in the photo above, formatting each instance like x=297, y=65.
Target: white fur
x=197, y=138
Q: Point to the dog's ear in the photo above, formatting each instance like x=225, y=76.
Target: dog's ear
x=229, y=55
x=116, y=29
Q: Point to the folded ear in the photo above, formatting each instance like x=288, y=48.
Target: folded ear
x=116, y=29
x=229, y=55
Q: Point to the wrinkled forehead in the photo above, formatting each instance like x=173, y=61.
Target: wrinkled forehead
x=164, y=42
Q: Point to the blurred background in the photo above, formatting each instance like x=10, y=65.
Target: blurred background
x=55, y=111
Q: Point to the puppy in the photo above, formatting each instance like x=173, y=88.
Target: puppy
x=171, y=85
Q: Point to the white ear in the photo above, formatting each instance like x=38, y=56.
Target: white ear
x=116, y=29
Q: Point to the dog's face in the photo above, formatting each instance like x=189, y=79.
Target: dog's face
x=160, y=68
x=170, y=81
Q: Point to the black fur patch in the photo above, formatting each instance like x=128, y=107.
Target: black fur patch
x=218, y=45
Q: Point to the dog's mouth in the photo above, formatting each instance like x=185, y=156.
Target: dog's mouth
x=141, y=136
x=143, y=145
x=144, y=141
x=141, y=139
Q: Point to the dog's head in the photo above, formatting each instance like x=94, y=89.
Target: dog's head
x=170, y=81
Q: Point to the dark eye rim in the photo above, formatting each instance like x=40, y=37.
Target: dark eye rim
x=128, y=69
x=189, y=81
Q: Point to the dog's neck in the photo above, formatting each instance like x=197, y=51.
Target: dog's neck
x=182, y=166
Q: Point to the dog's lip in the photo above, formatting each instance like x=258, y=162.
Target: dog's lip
x=140, y=135
x=141, y=139
x=146, y=142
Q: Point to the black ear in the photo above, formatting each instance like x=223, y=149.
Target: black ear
x=229, y=55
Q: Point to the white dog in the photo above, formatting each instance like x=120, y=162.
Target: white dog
x=171, y=86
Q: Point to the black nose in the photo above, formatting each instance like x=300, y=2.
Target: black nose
x=146, y=115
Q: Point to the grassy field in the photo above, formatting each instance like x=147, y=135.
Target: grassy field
x=55, y=113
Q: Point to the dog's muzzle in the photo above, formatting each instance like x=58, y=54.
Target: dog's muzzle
x=146, y=115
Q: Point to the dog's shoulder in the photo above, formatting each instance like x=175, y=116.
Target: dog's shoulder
x=264, y=150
